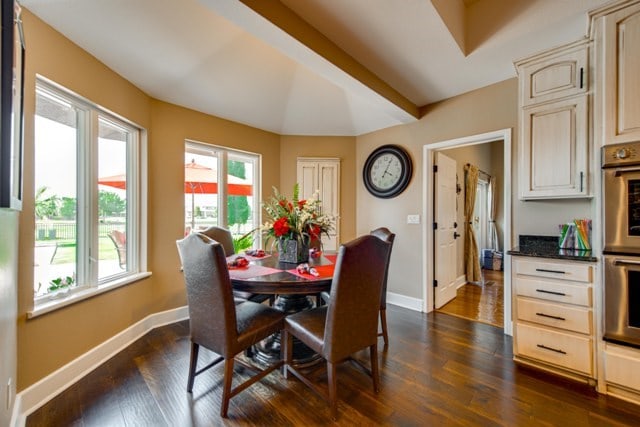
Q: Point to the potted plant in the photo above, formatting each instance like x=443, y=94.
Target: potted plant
x=294, y=224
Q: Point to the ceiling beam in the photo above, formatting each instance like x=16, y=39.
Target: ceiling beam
x=285, y=19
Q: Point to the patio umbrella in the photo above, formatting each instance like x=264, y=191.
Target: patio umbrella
x=198, y=179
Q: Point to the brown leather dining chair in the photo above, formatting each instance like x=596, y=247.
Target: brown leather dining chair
x=386, y=235
x=349, y=322
x=224, y=237
x=215, y=322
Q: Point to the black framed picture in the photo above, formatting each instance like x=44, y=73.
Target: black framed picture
x=11, y=106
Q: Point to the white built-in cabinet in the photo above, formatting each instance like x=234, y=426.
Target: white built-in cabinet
x=322, y=175
x=618, y=51
x=554, y=123
x=555, y=324
x=616, y=34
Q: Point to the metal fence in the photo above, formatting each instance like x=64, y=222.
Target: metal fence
x=66, y=230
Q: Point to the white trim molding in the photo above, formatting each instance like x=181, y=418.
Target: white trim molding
x=410, y=303
x=36, y=395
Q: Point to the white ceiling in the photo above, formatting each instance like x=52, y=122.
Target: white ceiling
x=233, y=60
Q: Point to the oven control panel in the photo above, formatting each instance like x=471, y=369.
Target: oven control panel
x=621, y=154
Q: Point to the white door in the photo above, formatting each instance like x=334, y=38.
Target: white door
x=323, y=175
x=445, y=235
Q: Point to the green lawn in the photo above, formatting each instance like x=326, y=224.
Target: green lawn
x=66, y=252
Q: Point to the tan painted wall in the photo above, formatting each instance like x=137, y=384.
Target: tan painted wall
x=343, y=147
x=487, y=109
x=48, y=342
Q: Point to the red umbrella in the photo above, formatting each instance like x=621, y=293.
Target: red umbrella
x=198, y=179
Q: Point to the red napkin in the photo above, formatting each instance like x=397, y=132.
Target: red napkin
x=324, y=272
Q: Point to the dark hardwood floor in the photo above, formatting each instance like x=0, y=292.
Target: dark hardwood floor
x=437, y=370
x=483, y=302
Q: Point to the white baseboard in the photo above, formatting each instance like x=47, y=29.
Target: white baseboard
x=461, y=281
x=36, y=395
x=414, y=304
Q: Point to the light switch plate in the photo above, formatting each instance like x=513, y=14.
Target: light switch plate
x=413, y=219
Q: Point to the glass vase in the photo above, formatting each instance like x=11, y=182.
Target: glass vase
x=293, y=251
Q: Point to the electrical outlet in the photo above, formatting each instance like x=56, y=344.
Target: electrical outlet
x=413, y=219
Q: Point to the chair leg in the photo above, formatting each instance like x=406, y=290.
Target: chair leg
x=333, y=390
x=226, y=390
x=373, y=354
x=192, y=366
x=287, y=349
x=383, y=324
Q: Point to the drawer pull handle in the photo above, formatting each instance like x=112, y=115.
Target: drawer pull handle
x=544, y=270
x=562, y=294
x=550, y=349
x=550, y=316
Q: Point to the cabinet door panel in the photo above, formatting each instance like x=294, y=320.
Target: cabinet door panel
x=554, y=145
x=622, y=76
x=555, y=77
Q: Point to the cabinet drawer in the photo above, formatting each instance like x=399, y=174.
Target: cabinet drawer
x=622, y=366
x=571, y=318
x=558, y=348
x=579, y=294
x=556, y=270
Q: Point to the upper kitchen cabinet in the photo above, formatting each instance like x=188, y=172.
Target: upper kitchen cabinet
x=616, y=32
x=554, y=123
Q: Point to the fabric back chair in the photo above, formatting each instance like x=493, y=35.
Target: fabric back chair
x=224, y=237
x=349, y=323
x=384, y=234
x=216, y=323
x=119, y=240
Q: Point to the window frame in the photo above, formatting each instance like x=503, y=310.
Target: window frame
x=223, y=155
x=87, y=218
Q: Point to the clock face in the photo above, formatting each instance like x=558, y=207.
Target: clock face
x=387, y=171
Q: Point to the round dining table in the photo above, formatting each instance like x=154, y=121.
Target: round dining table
x=267, y=275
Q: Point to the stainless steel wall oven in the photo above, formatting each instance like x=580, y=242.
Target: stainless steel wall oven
x=621, y=200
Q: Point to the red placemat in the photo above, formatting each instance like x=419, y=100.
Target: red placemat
x=254, y=258
x=325, y=271
x=252, y=271
x=333, y=258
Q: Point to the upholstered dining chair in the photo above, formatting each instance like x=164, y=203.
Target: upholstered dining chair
x=216, y=323
x=224, y=237
x=349, y=322
x=386, y=235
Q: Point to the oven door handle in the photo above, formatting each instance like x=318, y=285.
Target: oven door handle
x=618, y=261
x=630, y=169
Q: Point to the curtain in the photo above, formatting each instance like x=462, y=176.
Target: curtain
x=472, y=261
x=493, y=202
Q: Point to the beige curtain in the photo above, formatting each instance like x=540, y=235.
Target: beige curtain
x=493, y=233
x=472, y=261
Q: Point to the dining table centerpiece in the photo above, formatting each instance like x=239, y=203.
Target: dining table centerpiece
x=294, y=224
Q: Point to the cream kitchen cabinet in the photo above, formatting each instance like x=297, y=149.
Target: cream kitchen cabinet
x=554, y=123
x=554, y=316
x=322, y=175
x=618, y=56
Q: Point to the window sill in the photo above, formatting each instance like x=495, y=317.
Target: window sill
x=52, y=305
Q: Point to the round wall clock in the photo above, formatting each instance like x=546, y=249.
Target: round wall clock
x=387, y=171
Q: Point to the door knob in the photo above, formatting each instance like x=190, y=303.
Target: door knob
x=456, y=235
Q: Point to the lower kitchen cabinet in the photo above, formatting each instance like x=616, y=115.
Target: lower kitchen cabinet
x=554, y=316
x=622, y=372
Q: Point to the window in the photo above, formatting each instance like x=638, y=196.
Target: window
x=87, y=196
x=221, y=188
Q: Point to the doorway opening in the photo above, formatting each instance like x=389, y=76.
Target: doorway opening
x=492, y=295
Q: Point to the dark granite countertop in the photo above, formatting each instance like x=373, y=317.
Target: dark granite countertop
x=547, y=247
